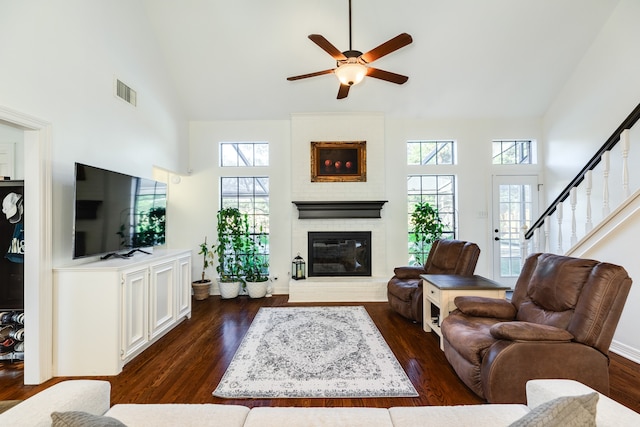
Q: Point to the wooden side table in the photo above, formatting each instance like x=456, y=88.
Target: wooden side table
x=439, y=291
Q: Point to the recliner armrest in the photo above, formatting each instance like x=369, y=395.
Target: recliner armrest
x=527, y=331
x=485, y=307
x=409, y=271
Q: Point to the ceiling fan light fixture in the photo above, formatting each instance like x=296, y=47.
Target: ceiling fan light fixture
x=351, y=73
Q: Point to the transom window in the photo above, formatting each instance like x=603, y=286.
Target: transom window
x=244, y=154
x=513, y=152
x=430, y=153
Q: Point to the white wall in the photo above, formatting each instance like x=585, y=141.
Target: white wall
x=368, y=127
x=59, y=63
x=197, y=195
x=603, y=90
x=473, y=171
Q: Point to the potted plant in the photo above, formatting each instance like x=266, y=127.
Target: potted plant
x=201, y=287
x=256, y=268
x=427, y=228
x=233, y=245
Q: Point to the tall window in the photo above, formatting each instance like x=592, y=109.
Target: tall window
x=440, y=192
x=423, y=185
x=513, y=152
x=248, y=193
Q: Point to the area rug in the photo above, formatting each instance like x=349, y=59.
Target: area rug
x=294, y=352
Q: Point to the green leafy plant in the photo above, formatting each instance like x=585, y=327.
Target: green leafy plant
x=233, y=244
x=208, y=256
x=427, y=228
x=256, y=265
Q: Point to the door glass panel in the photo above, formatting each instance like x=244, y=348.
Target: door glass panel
x=515, y=201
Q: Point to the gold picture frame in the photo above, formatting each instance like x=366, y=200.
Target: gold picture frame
x=338, y=161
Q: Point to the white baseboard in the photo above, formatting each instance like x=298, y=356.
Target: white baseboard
x=339, y=289
x=625, y=351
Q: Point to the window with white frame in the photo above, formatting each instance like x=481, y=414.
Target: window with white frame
x=248, y=193
x=430, y=153
x=244, y=154
x=440, y=192
x=513, y=152
x=423, y=185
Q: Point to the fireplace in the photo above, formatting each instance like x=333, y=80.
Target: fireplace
x=339, y=253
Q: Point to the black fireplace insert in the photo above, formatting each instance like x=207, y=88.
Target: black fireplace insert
x=339, y=253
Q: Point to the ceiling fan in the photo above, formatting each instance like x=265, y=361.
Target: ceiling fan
x=352, y=65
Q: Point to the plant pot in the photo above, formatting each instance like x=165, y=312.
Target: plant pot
x=201, y=289
x=257, y=289
x=229, y=289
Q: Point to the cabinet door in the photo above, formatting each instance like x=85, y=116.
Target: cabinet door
x=183, y=290
x=162, y=292
x=135, y=311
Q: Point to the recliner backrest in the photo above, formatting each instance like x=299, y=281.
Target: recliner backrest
x=583, y=296
x=452, y=257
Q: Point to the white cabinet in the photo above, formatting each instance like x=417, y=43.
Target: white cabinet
x=162, y=297
x=108, y=312
x=183, y=292
x=135, y=311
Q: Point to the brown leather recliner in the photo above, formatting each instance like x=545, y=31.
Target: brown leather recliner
x=404, y=290
x=558, y=324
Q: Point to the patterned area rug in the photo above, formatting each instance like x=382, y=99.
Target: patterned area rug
x=314, y=352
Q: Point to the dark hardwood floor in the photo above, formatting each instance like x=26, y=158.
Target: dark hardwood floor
x=186, y=365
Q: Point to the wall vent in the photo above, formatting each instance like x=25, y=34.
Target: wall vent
x=125, y=93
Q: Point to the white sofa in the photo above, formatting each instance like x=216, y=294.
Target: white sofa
x=93, y=397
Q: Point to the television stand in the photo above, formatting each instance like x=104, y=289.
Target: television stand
x=105, y=313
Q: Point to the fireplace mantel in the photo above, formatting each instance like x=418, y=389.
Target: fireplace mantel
x=339, y=209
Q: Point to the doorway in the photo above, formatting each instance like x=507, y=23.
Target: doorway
x=515, y=205
x=38, y=293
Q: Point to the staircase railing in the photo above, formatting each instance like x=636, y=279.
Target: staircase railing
x=582, y=191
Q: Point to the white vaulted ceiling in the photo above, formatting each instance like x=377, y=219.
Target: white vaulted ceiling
x=468, y=59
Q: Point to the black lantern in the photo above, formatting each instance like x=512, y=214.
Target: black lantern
x=298, y=268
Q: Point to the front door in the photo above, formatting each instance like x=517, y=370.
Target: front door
x=515, y=204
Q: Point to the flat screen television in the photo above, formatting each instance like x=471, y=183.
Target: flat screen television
x=116, y=214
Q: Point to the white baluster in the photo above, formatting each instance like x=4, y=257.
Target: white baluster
x=573, y=200
x=605, y=185
x=624, y=139
x=547, y=246
x=523, y=243
x=559, y=218
x=588, y=184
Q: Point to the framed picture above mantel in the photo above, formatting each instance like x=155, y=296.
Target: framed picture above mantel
x=338, y=161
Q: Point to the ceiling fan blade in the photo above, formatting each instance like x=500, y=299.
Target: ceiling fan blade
x=343, y=91
x=327, y=47
x=304, y=76
x=387, y=47
x=387, y=75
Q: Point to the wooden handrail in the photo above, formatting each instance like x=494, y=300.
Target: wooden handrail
x=591, y=164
